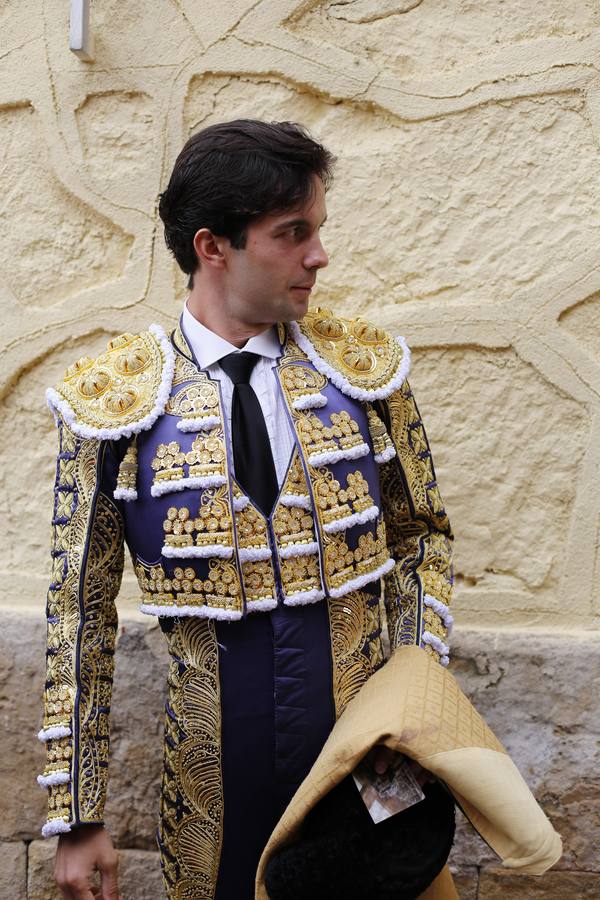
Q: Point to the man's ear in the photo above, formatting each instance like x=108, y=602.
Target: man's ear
x=209, y=248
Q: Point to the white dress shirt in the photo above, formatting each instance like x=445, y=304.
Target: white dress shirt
x=209, y=348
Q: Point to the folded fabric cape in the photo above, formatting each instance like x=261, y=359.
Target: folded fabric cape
x=415, y=706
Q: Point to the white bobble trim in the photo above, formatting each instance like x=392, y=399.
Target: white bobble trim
x=253, y=554
x=331, y=456
x=385, y=455
x=53, y=778
x=261, y=605
x=240, y=503
x=440, y=609
x=355, y=584
x=54, y=732
x=359, y=518
x=434, y=641
x=128, y=494
x=303, y=597
x=310, y=401
x=300, y=501
x=207, y=612
x=180, y=484
x=55, y=826
x=59, y=405
x=193, y=552
x=202, y=423
x=340, y=380
x=291, y=550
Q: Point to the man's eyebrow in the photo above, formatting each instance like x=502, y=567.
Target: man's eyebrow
x=292, y=223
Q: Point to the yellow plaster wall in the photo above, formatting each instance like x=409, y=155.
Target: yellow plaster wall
x=465, y=216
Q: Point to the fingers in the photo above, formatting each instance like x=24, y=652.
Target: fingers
x=108, y=873
x=382, y=758
x=76, y=890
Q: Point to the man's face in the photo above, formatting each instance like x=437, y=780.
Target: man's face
x=269, y=280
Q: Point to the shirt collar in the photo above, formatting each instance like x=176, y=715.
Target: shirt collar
x=209, y=348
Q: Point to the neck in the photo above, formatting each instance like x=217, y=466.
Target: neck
x=215, y=317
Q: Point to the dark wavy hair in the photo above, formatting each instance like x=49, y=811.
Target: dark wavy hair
x=230, y=174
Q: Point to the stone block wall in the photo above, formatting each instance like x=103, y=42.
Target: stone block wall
x=465, y=215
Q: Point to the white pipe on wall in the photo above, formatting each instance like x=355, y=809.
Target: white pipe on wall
x=80, y=38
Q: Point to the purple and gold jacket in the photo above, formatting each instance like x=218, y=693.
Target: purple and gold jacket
x=144, y=459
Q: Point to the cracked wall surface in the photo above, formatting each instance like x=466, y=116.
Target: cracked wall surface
x=465, y=215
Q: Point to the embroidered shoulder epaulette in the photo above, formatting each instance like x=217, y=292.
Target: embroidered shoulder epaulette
x=121, y=392
x=362, y=360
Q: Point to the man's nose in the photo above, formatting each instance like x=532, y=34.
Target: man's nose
x=316, y=258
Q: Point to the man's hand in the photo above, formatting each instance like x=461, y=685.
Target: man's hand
x=383, y=757
x=80, y=853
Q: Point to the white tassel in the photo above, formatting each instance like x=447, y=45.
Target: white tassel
x=385, y=455
x=59, y=404
x=53, y=778
x=202, y=423
x=180, y=484
x=53, y=732
x=291, y=550
x=193, y=552
x=125, y=494
x=310, y=401
x=55, y=826
x=207, y=612
x=340, y=381
x=332, y=456
x=355, y=584
x=359, y=518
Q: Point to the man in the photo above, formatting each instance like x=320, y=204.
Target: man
x=267, y=468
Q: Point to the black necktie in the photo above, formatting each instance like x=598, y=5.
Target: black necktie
x=252, y=457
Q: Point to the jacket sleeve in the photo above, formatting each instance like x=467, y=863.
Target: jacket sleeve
x=87, y=565
x=418, y=589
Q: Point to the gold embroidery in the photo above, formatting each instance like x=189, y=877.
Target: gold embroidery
x=127, y=477
x=367, y=356
x=191, y=811
x=418, y=529
x=295, y=483
x=120, y=386
x=185, y=370
x=257, y=574
x=82, y=620
x=315, y=437
x=298, y=381
x=211, y=526
x=342, y=563
x=205, y=458
x=195, y=401
x=381, y=439
x=299, y=574
x=220, y=588
x=259, y=580
x=168, y=462
x=251, y=527
x=334, y=502
x=355, y=644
